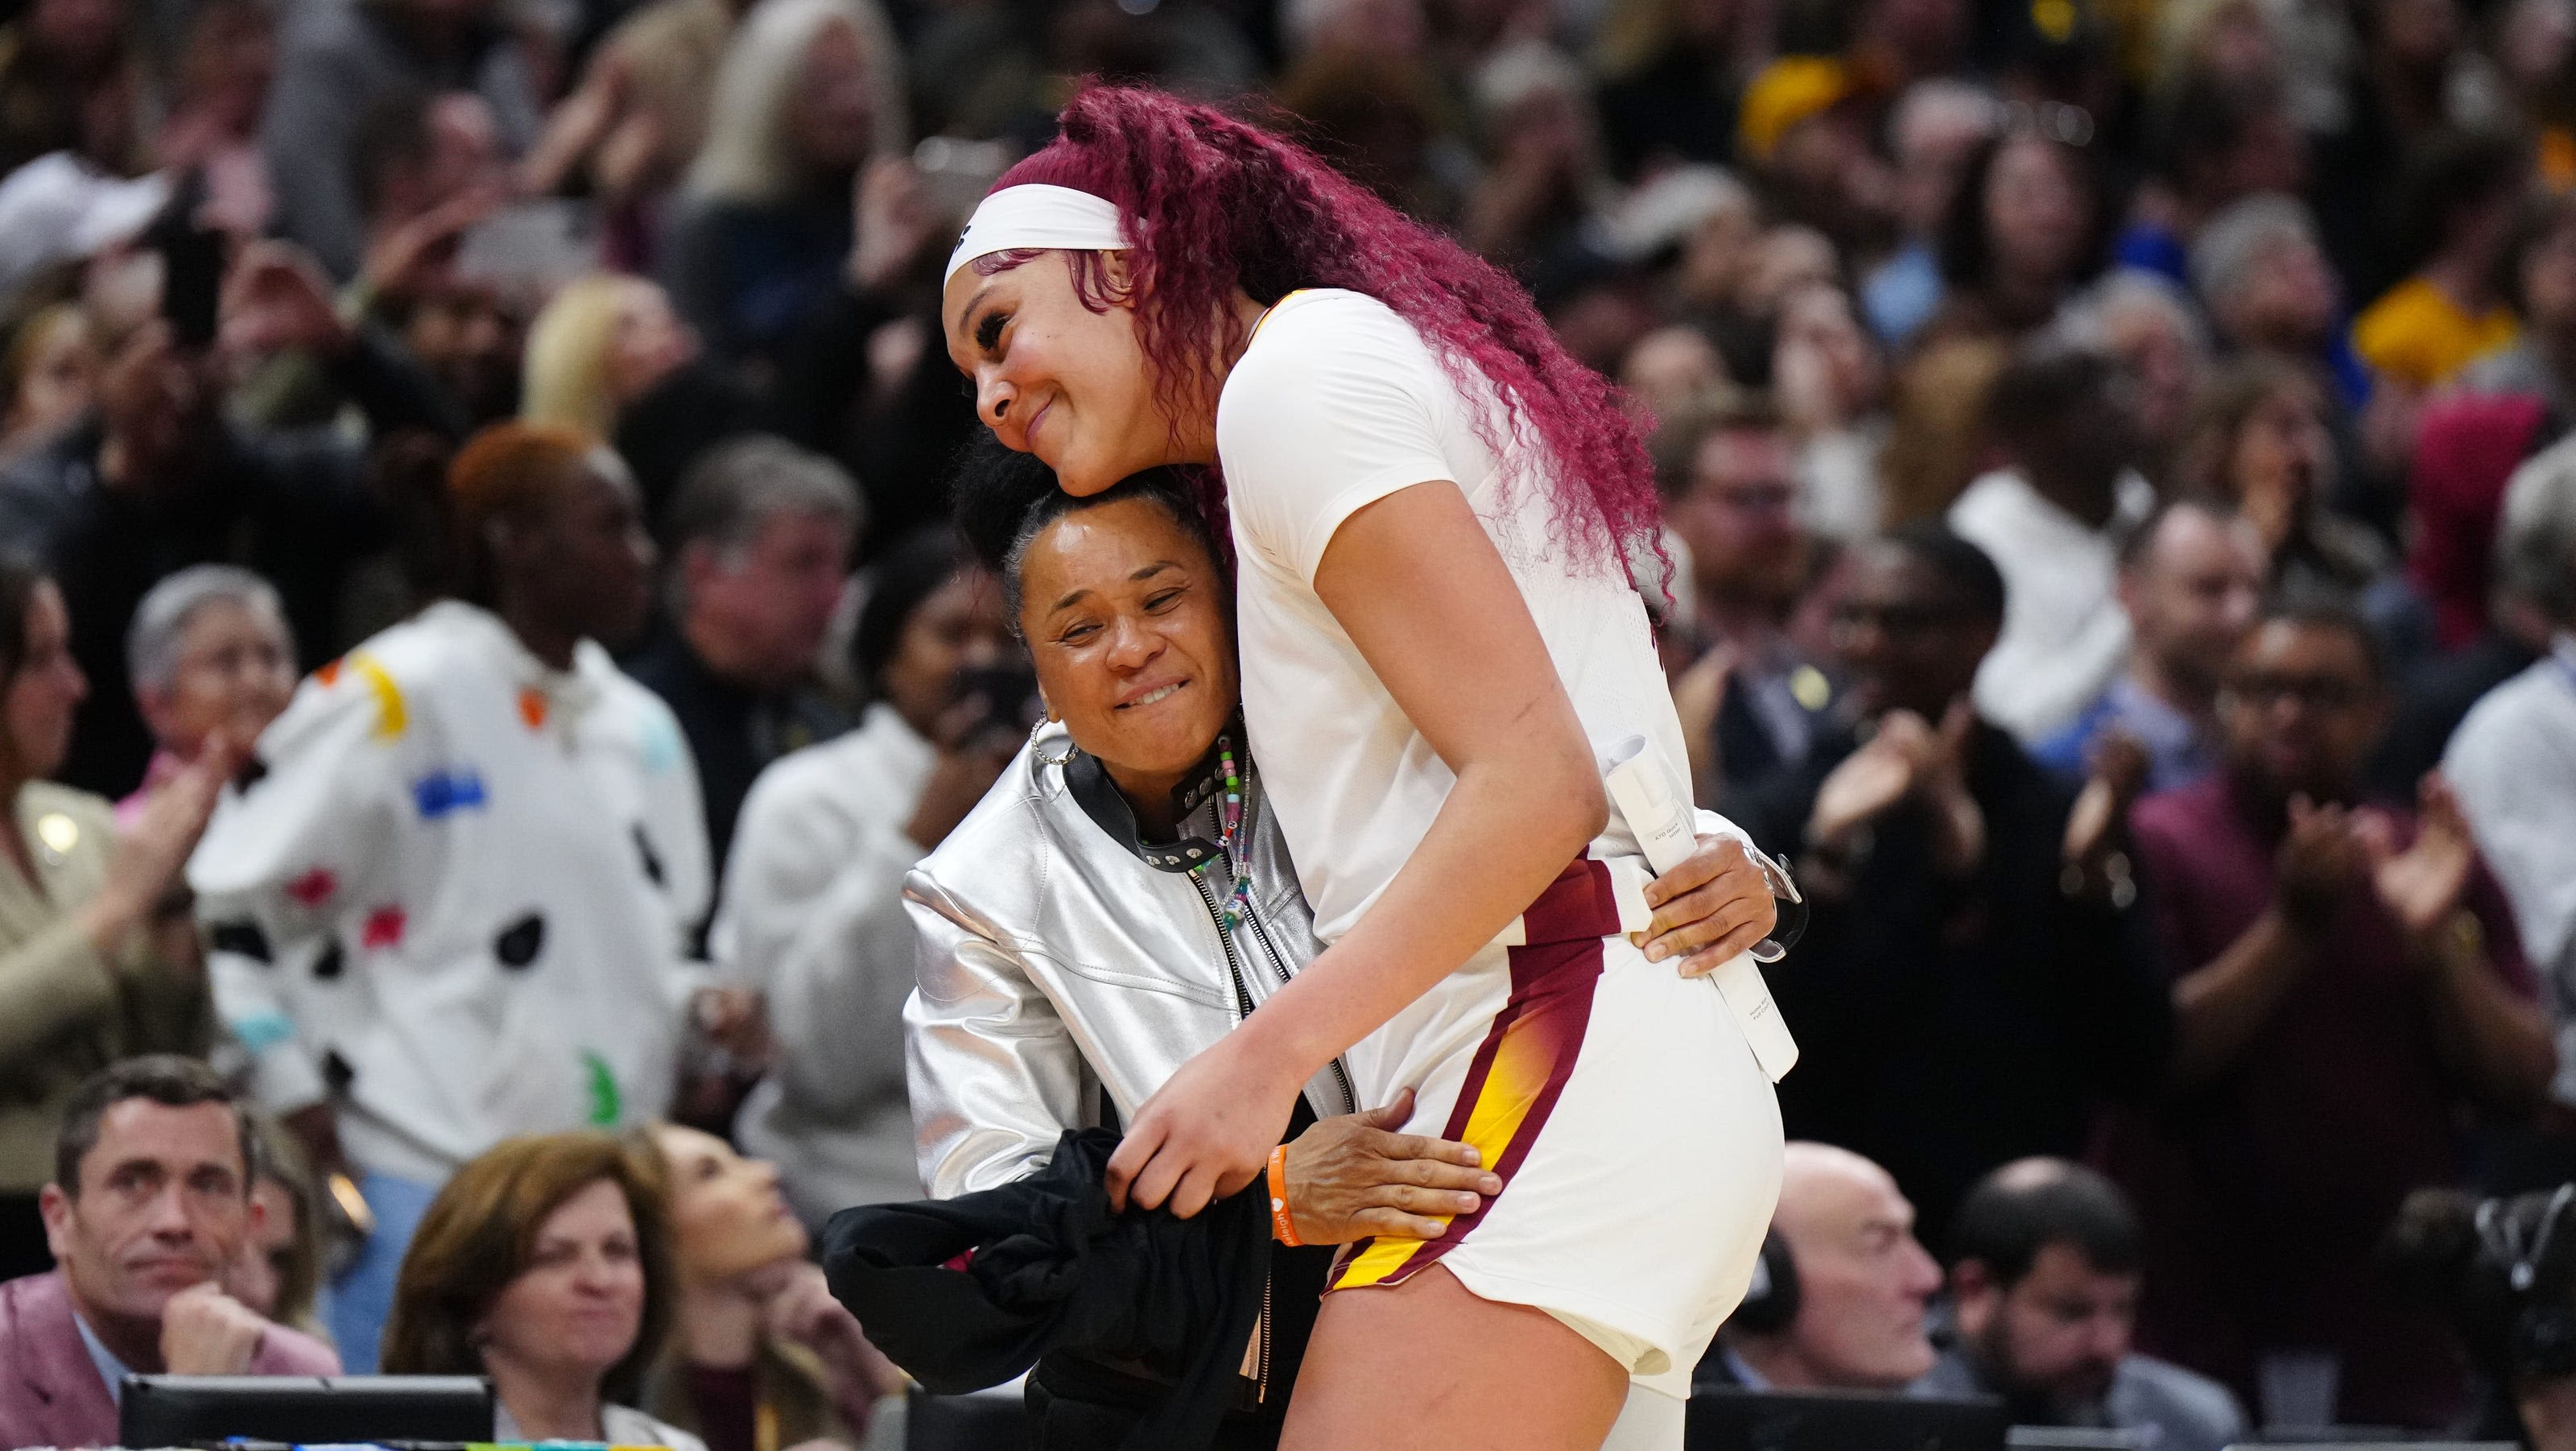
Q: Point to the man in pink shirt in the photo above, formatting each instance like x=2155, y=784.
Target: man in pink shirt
x=150, y=1201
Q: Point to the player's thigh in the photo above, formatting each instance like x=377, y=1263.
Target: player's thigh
x=1425, y=1366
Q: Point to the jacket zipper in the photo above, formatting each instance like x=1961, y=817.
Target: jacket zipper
x=1260, y=1347
x=1261, y=1385
x=1279, y=968
x=1233, y=968
x=1270, y=953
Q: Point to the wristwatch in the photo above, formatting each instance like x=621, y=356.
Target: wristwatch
x=1789, y=910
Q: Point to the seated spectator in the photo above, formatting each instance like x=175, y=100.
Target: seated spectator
x=1671, y=78
x=1804, y=135
x=214, y=83
x=427, y=165
x=1863, y=1283
x=1753, y=702
x=1674, y=370
x=2044, y=1297
x=470, y=335
x=47, y=376
x=2502, y=1273
x=1720, y=244
x=2146, y=324
x=2513, y=761
x=338, y=62
x=761, y=531
x=2346, y=993
x=211, y=663
x=1936, y=436
x=865, y=378
x=546, y=1264
x=2024, y=230
x=2259, y=440
x=2051, y=519
x=813, y=915
x=608, y=356
x=1957, y=1007
x=95, y=962
x=279, y=1270
x=2517, y=403
x=808, y=92
x=638, y=116
x=427, y=168
x=2263, y=277
x=1378, y=112
x=69, y=81
x=761, y=1354
x=1832, y=389
x=1545, y=179
x=601, y=342
x=478, y=806
x=158, y=477
x=2454, y=206
x=149, y=1204
x=2191, y=582
x=2539, y=278
x=1936, y=125
x=2222, y=137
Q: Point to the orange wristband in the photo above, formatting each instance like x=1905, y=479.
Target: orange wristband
x=1280, y=1228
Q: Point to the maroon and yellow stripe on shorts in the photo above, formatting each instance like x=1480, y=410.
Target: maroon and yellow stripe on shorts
x=1519, y=1069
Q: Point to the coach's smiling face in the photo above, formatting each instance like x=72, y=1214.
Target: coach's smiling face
x=1054, y=374
x=1125, y=616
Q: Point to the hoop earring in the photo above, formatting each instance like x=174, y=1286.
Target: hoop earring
x=1043, y=758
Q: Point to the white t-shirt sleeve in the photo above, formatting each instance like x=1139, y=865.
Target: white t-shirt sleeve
x=1336, y=405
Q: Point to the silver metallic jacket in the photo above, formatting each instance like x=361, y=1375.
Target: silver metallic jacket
x=1062, y=961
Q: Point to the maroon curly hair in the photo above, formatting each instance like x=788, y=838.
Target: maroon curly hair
x=1213, y=203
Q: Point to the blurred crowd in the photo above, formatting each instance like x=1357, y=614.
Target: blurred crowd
x=2120, y=552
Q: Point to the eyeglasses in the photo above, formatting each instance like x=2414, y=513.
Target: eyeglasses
x=2314, y=692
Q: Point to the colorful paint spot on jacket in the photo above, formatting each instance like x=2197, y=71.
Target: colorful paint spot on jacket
x=440, y=792
x=259, y=1032
x=606, y=1104
x=384, y=928
x=313, y=888
x=392, y=716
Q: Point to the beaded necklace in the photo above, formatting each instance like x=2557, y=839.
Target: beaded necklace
x=1228, y=838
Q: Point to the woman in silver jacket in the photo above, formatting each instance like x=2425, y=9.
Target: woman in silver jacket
x=1123, y=897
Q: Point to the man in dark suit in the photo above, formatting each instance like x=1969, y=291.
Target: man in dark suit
x=1964, y=995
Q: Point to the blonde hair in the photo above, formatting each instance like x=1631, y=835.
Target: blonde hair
x=745, y=158
x=564, y=377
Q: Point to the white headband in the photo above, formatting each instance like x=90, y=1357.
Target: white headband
x=1034, y=215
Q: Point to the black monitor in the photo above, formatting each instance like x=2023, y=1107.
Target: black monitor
x=1726, y=1419
x=181, y=1410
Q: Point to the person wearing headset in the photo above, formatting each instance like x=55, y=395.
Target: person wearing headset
x=2046, y=1262
x=1843, y=1291
x=2503, y=1271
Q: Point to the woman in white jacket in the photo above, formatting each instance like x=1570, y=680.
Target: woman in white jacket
x=813, y=915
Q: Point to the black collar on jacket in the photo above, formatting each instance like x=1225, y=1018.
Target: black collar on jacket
x=1107, y=807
